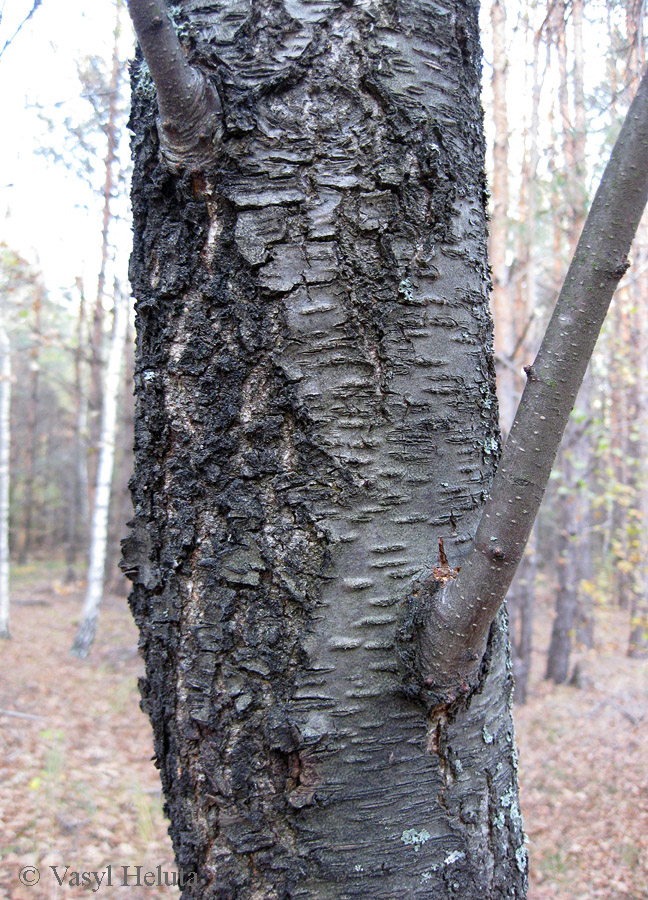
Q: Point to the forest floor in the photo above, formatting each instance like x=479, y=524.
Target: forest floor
x=78, y=787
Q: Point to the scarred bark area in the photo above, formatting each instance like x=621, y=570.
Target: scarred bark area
x=315, y=408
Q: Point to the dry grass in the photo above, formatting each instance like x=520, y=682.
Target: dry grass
x=78, y=786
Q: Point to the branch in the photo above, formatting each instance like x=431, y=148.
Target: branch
x=452, y=640
x=190, y=109
x=10, y=40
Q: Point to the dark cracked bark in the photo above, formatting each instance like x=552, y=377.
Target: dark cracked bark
x=315, y=408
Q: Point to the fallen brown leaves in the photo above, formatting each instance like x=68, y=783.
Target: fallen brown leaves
x=584, y=771
x=79, y=788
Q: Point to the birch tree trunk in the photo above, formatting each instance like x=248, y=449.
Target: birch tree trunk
x=315, y=408
x=99, y=530
x=112, y=128
x=5, y=445
x=78, y=509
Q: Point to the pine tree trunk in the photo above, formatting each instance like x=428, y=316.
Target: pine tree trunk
x=501, y=299
x=520, y=599
x=638, y=638
x=315, y=408
x=566, y=595
x=520, y=603
x=32, y=425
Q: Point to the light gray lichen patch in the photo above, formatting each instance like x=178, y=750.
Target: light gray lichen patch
x=490, y=446
x=455, y=856
x=509, y=801
x=415, y=838
x=521, y=858
x=406, y=290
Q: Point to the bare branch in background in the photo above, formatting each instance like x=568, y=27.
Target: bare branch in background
x=10, y=40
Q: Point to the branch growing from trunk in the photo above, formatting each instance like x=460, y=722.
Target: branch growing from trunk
x=452, y=638
x=190, y=109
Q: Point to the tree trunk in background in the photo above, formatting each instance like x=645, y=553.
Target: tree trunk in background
x=520, y=600
x=121, y=507
x=315, y=408
x=567, y=593
x=5, y=445
x=32, y=427
x=638, y=287
x=77, y=514
x=501, y=298
x=99, y=533
x=520, y=603
x=574, y=508
x=97, y=340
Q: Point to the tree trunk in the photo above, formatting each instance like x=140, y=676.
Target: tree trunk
x=32, y=427
x=520, y=603
x=78, y=507
x=501, y=298
x=566, y=595
x=315, y=408
x=638, y=638
x=97, y=332
x=520, y=599
x=5, y=446
x=121, y=507
x=99, y=531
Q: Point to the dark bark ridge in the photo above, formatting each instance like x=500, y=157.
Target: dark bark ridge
x=315, y=408
x=452, y=639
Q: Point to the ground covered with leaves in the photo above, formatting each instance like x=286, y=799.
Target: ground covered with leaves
x=79, y=789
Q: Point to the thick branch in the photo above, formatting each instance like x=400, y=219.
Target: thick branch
x=453, y=640
x=190, y=110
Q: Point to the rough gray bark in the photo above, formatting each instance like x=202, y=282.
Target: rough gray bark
x=315, y=408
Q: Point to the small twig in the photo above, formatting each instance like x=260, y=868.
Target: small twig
x=19, y=715
x=190, y=109
x=10, y=40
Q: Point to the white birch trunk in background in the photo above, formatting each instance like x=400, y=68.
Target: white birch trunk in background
x=99, y=528
x=5, y=438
